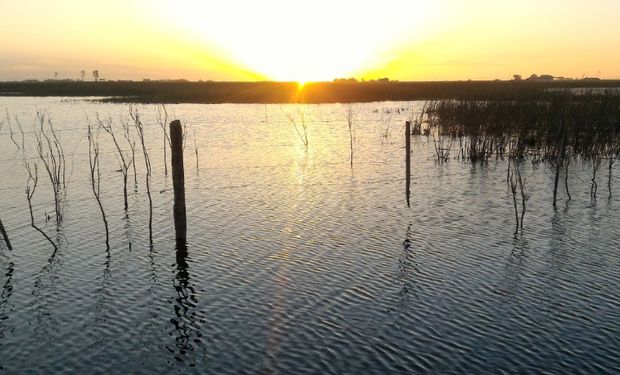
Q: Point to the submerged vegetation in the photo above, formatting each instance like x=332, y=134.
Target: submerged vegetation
x=555, y=128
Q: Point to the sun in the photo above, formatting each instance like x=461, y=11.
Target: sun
x=298, y=41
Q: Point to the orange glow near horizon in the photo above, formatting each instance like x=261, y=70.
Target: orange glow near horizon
x=305, y=41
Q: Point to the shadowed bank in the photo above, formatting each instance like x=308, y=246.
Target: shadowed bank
x=292, y=92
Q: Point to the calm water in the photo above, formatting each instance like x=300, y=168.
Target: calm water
x=298, y=263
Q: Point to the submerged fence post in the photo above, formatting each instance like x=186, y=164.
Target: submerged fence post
x=408, y=161
x=6, y=236
x=178, y=183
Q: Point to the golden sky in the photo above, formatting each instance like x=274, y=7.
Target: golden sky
x=307, y=40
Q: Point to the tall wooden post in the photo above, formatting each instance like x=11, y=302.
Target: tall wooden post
x=559, y=160
x=178, y=183
x=408, y=161
x=6, y=236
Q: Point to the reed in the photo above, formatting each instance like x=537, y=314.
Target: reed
x=549, y=127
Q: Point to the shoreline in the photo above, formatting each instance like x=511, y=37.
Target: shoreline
x=170, y=92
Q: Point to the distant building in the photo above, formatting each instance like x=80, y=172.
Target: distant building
x=517, y=77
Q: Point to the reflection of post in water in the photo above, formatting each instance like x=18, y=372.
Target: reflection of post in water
x=7, y=291
x=407, y=269
x=186, y=321
x=558, y=240
x=515, y=266
x=44, y=295
x=104, y=302
x=5, y=236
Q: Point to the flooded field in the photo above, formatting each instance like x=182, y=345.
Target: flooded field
x=299, y=260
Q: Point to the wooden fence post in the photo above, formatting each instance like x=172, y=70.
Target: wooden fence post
x=408, y=161
x=178, y=183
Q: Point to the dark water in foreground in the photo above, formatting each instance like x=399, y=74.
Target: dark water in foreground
x=297, y=263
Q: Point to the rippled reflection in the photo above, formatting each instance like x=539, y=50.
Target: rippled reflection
x=408, y=271
x=515, y=265
x=44, y=294
x=187, y=322
x=298, y=263
x=7, y=291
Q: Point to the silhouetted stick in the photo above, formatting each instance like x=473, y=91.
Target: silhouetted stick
x=596, y=163
x=304, y=126
x=31, y=187
x=523, y=195
x=178, y=182
x=162, y=120
x=351, y=131
x=196, y=152
x=95, y=176
x=513, y=189
x=612, y=160
x=135, y=116
x=566, y=180
x=6, y=236
x=123, y=159
x=132, y=145
x=408, y=161
x=52, y=155
x=8, y=120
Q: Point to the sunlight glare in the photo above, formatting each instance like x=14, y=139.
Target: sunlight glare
x=301, y=41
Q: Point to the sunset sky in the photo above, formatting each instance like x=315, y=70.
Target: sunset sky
x=309, y=40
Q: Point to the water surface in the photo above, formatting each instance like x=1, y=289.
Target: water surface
x=298, y=262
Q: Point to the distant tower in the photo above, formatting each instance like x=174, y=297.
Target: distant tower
x=55, y=75
x=82, y=74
